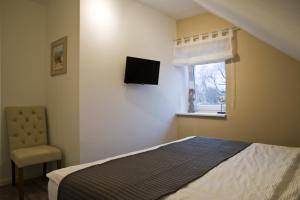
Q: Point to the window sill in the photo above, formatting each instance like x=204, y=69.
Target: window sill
x=201, y=114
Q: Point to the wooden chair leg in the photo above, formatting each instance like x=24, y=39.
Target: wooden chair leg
x=44, y=169
x=58, y=164
x=13, y=173
x=20, y=184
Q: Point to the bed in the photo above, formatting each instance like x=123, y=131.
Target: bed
x=259, y=171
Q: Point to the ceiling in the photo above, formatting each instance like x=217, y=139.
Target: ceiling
x=275, y=22
x=176, y=9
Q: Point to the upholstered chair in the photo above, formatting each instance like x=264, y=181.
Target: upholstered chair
x=27, y=131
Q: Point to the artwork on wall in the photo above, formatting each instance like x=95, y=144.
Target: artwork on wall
x=59, y=56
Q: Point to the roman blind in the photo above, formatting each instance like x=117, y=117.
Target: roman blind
x=204, y=48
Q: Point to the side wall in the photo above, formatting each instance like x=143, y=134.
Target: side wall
x=62, y=96
x=3, y=155
x=114, y=117
x=28, y=28
x=267, y=98
x=22, y=68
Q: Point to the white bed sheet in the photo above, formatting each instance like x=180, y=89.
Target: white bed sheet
x=264, y=172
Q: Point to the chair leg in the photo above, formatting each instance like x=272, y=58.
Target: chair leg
x=13, y=173
x=44, y=169
x=58, y=164
x=20, y=184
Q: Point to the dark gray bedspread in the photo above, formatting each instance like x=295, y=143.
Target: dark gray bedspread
x=149, y=175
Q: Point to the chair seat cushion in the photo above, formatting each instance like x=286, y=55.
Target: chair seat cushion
x=34, y=155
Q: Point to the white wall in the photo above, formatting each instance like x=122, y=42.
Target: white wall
x=117, y=118
x=23, y=64
x=24, y=32
x=28, y=28
x=63, y=91
x=2, y=154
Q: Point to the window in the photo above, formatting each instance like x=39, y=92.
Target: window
x=210, y=87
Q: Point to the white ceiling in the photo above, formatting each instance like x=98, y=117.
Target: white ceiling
x=177, y=9
x=274, y=21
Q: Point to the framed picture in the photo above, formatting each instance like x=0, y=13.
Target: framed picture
x=59, y=56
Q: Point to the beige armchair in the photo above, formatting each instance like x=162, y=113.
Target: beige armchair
x=27, y=131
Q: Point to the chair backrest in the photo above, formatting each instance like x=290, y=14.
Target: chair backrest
x=26, y=126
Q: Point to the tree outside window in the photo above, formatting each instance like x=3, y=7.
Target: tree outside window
x=210, y=85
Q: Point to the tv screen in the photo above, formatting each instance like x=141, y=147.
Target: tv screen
x=141, y=71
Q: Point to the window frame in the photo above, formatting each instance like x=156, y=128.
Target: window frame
x=211, y=108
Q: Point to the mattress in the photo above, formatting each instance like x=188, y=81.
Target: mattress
x=258, y=172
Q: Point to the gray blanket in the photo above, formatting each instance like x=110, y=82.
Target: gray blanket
x=149, y=175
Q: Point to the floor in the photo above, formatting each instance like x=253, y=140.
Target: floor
x=35, y=189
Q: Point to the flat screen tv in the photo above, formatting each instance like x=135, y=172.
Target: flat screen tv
x=141, y=71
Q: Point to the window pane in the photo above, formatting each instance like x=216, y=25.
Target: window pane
x=210, y=84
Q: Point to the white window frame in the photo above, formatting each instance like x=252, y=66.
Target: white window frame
x=212, y=108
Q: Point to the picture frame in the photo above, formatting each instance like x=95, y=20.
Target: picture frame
x=59, y=53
